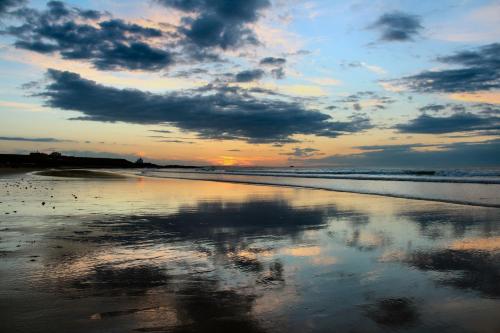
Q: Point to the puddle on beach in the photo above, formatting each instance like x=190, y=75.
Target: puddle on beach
x=166, y=255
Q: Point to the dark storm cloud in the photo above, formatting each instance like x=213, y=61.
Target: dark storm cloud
x=7, y=5
x=458, y=122
x=486, y=55
x=221, y=23
x=456, y=154
x=397, y=26
x=249, y=75
x=215, y=113
x=76, y=34
x=12, y=138
x=479, y=70
x=271, y=61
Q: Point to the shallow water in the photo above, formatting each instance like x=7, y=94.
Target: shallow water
x=479, y=192
x=167, y=255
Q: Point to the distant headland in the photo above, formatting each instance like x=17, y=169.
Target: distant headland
x=39, y=160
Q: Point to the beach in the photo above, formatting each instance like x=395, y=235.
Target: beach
x=99, y=252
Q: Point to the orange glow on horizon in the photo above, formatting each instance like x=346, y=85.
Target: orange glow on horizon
x=225, y=160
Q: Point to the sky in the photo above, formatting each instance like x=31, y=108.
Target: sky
x=254, y=82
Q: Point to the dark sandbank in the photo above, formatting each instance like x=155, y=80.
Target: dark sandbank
x=79, y=174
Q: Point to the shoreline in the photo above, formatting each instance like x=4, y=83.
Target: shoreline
x=394, y=178
x=121, y=174
x=454, y=202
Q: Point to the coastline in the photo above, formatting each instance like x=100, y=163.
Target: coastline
x=215, y=177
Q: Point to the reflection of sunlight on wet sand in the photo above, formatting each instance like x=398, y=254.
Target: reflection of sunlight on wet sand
x=161, y=195
x=253, y=255
x=79, y=265
x=324, y=261
x=269, y=303
x=392, y=256
x=480, y=244
x=317, y=258
x=372, y=239
x=305, y=251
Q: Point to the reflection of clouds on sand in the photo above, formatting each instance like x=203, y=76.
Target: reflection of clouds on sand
x=362, y=239
x=313, y=253
x=393, y=312
x=463, y=269
x=478, y=244
x=302, y=251
x=444, y=221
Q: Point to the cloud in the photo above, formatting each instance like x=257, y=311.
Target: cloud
x=463, y=154
x=458, y=122
x=432, y=107
x=76, y=34
x=6, y=5
x=249, y=75
x=278, y=73
x=218, y=23
x=176, y=141
x=225, y=113
x=303, y=152
x=360, y=64
x=271, y=61
x=362, y=99
x=161, y=131
x=12, y=138
x=397, y=26
x=190, y=72
x=479, y=70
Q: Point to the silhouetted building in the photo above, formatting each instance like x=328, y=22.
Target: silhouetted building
x=55, y=154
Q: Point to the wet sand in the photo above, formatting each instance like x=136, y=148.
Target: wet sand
x=165, y=255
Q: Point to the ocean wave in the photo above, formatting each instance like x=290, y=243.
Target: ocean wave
x=433, y=176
